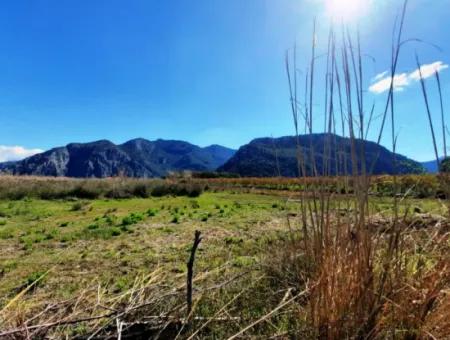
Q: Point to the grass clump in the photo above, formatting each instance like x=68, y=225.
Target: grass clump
x=152, y=212
x=116, y=231
x=79, y=205
x=36, y=279
x=132, y=218
x=92, y=226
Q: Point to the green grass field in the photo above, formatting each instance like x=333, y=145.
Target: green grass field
x=111, y=243
x=113, y=240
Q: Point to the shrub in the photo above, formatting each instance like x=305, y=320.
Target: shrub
x=160, y=190
x=141, y=190
x=85, y=191
x=77, y=206
x=117, y=193
x=444, y=167
x=194, y=190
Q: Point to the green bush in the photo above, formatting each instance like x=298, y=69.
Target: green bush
x=444, y=167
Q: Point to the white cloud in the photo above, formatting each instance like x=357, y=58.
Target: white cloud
x=400, y=82
x=379, y=76
x=428, y=70
x=381, y=83
x=15, y=153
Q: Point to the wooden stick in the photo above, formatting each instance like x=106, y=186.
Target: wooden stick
x=190, y=268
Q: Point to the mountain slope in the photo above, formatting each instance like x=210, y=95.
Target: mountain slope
x=431, y=166
x=135, y=158
x=278, y=156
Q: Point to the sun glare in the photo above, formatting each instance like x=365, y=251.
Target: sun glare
x=346, y=10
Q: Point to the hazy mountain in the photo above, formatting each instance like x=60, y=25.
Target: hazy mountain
x=135, y=158
x=431, y=166
x=278, y=156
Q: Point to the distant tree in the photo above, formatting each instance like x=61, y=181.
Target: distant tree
x=445, y=165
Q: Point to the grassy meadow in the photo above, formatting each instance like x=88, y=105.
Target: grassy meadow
x=111, y=241
x=75, y=259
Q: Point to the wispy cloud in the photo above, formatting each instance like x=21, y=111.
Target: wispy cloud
x=428, y=70
x=15, y=153
x=381, y=83
x=400, y=82
x=379, y=76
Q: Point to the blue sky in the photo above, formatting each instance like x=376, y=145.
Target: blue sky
x=204, y=71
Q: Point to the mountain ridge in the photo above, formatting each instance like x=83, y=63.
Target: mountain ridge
x=134, y=158
x=266, y=157
x=261, y=157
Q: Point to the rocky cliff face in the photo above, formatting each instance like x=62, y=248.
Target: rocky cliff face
x=135, y=158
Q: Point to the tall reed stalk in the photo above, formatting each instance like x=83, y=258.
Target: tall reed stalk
x=441, y=102
x=357, y=270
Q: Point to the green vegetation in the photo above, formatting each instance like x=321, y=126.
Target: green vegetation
x=52, y=234
x=417, y=186
x=17, y=188
x=113, y=242
x=444, y=167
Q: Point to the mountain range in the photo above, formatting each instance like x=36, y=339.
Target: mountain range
x=261, y=157
x=135, y=158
